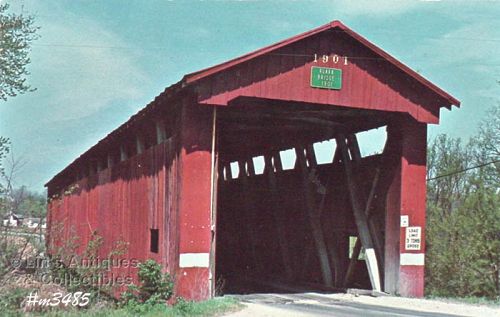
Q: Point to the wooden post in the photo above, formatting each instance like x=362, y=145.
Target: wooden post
x=250, y=167
x=337, y=156
x=91, y=168
x=84, y=172
x=375, y=232
x=195, y=201
x=99, y=165
x=229, y=172
x=161, y=134
x=123, y=153
x=311, y=156
x=278, y=217
x=110, y=160
x=139, y=144
x=249, y=215
x=360, y=216
x=213, y=205
x=368, y=209
x=353, y=146
x=278, y=165
x=328, y=236
x=404, y=267
x=314, y=219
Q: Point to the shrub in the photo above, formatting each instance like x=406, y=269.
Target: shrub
x=154, y=286
x=11, y=300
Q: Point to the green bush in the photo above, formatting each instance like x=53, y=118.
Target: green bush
x=11, y=301
x=154, y=287
x=463, y=257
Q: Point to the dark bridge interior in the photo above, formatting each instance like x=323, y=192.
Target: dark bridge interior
x=293, y=229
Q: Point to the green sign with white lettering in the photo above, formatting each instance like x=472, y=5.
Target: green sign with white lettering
x=324, y=77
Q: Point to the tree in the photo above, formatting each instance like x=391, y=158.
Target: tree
x=17, y=32
x=463, y=208
x=10, y=197
x=30, y=203
x=488, y=149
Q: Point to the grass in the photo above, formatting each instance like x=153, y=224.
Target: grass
x=473, y=300
x=211, y=307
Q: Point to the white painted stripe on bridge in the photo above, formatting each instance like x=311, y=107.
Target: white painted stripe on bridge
x=194, y=260
x=412, y=259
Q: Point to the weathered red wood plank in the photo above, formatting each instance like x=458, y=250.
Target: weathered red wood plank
x=368, y=81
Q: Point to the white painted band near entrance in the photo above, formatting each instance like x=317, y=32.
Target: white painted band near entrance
x=194, y=260
x=412, y=259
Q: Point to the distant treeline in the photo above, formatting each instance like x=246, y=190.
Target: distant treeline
x=463, y=213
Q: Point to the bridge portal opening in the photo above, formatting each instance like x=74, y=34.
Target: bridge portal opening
x=285, y=220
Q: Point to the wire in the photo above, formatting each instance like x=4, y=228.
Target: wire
x=351, y=58
x=332, y=31
x=464, y=170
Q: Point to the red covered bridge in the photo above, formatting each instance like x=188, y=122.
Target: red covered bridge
x=165, y=181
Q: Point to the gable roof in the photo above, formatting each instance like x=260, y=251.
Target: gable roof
x=334, y=25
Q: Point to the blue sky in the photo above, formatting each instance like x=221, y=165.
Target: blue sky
x=99, y=62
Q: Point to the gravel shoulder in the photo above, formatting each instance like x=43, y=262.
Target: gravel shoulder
x=314, y=304
x=424, y=305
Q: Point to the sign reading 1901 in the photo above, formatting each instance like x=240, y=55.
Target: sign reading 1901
x=335, y=59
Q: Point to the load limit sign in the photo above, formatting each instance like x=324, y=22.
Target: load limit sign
x=413, y=238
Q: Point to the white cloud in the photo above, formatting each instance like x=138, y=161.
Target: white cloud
x=279, y=27
x=466, y=62
x=80, y=68
x=468, y=55
x=476, y=43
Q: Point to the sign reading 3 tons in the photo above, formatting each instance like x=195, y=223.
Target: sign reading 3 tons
x=325, y=77
x=413, y=238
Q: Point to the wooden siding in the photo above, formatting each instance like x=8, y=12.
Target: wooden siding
x=368, y=82
x=123, y=203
